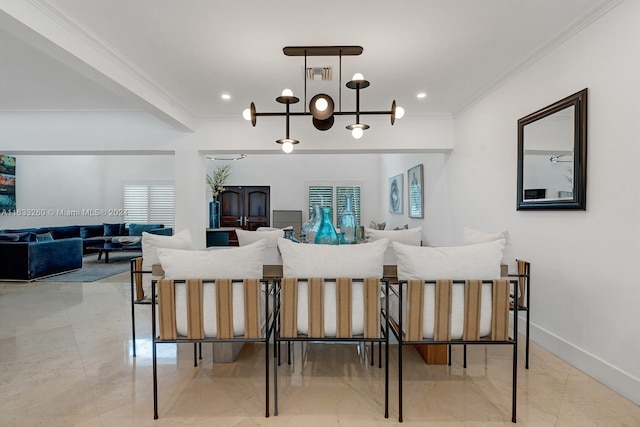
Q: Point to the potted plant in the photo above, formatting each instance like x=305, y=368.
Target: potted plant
x=216, y=183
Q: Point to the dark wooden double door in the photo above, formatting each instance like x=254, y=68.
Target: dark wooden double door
x=245, y=207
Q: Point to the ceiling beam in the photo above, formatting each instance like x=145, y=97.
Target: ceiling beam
x=53, y=32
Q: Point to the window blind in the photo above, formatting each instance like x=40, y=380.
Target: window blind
x=149, y=203
x=334, y=196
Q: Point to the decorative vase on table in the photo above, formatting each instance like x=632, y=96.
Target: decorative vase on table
x=326, y=234
x=348, y=224
x=289, y=235
x=214, y=214
x=310, y=227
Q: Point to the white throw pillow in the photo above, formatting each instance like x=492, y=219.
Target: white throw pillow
x=479, y=261
x=234, y=263
x=246, y=237
x=329, y=261
x=410, y=236
x=151, y=243
x=471, y=236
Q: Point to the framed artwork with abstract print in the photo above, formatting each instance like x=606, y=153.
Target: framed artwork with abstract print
x=7, y=184
x=415, y=181
x=395, y=194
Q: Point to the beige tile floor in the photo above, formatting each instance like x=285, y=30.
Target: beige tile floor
x=65, y=360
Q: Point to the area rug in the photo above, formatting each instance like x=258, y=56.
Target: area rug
x=93, y=270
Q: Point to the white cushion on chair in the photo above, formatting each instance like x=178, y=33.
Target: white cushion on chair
x=243, y=262
x=329, y=261
x=233, y=263
x=246, y=237
x=410, y=236
x=151, y=243
x=471, y=236
x=479, y=261
x=473, y=262
x=332, y=261
x=457, y=310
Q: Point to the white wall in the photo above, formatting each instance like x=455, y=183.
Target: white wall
x=288, y=177
x=584, y=295
x=436, y=227
x=68, y=189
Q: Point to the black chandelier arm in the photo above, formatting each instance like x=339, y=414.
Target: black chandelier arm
x=335, y=113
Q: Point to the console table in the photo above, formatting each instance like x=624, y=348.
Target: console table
x=223, y=236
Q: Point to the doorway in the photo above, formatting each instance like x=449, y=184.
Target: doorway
x=245, y=207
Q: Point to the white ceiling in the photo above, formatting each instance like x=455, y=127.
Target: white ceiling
x=174, y=58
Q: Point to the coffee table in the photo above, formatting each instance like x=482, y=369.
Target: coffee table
x=108, y=247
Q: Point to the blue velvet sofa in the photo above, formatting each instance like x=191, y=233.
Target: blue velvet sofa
x=33, y=253
x=30, y=260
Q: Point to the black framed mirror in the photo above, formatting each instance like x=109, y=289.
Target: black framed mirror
x=552, y=156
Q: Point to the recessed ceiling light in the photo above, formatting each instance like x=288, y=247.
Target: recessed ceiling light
x=225, y=96
x=421, y=95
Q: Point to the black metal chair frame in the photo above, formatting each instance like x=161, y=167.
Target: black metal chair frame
x=147, y=301
x=135, y=302
x=384, y=339
x=396, y=328
x=268, y=331
x=525, y=307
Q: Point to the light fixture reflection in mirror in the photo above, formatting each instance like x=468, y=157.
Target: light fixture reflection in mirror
x=552, y=154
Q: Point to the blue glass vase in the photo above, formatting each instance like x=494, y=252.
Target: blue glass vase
x=310, y=228
x=214, y=214
x=348, y=224
x=288, y=234
x=326, y=234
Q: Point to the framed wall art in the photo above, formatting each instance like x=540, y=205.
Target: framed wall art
x=395, y=194
x=7, y=184
x=415, y=180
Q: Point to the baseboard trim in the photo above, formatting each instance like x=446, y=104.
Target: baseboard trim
x=602, y=371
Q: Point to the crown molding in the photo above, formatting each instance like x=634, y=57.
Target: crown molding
x=587, y=19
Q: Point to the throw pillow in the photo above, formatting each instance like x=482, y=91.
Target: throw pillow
x=329, y=261
x=229, y=263
x=44, y=237
x=152, y=242
x=9, y=237
x=411, y=236
x=479, y=261
x=404, y=227
x=138, y=229
x=26, y=237
x=88, y=231
x=246, y=237
x=377, y=226
x=111, y=229
x=65, y=232
x=471, y=236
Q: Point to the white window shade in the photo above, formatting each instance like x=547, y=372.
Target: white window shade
x=333, y=195
x=149, y=203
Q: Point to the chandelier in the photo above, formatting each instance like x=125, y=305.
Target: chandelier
x=322, y=107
